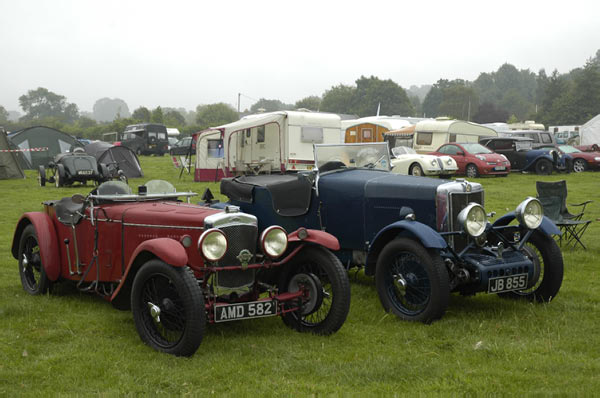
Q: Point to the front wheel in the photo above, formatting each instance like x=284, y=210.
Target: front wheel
x=42, y=176
x=168, y=308
x=326, y=302
x=471, y=171
x=32, y=272
x=412, y=281
x=579, y=165
x=416, y=170
x=547, y=278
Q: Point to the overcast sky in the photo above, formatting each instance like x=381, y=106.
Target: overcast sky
x=185, y=53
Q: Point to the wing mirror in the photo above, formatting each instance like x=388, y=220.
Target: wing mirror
x=460, y=153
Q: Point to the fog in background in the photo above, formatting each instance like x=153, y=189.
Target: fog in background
x=186, y=53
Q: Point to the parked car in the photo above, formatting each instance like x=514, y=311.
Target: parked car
x=178, y=266
x=421, y=238
x=582, y=161
x=475, y=160
x=172, y=142
x=407, y=161
x=522, y=157
x=539, y=138
x=71, y=167
x=183, y=146
x=145, y=139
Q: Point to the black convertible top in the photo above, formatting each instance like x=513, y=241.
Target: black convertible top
x=290, y=193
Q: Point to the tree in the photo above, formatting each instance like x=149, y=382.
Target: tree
x=141, y=114
x=459, y=101
x=215, y=115
x=174, y=119
x=269, y=106
x=42, y=103
x=488, y=113
x=157, y=115
x=3, y=115
x=338, y=99
x=387, y=96
x=312, y=103
x=107, y=109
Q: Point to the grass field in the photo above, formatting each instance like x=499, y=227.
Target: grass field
x=73, y=343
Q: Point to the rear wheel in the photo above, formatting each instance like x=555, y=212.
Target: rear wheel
x=42, y=176
x=543, y=167
x=579, y=165
x=59, y=176
x=326, y=303
x=103, y=172
x=471, y=171
x=31, y=269
x=168, y=308
x=412, y=282
x=415, y=170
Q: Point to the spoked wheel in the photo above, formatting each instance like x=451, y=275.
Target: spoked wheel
x=412, y=281
x=416, y=170
x=168, y=308
x=547, y=278
x=543, y=167
x=31, y=269
x=326, y=300
x=59, y=176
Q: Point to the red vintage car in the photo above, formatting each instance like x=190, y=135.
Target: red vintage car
x=178, y=265
x=475, y=160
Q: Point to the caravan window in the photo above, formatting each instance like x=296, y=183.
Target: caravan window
x=452, y=137
x=312, y=134
x=260, y=134
x=424, y=138
x=215, y=148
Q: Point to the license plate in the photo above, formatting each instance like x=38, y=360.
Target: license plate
x=500, y=168
x=507, y=283
x=255, y=309
x=85, y=172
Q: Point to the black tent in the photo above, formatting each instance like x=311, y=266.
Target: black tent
x=115, y=158
x=39, y=145
x=9, y=164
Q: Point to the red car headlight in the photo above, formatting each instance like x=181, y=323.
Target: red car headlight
x=274, y=241
x=212, y=244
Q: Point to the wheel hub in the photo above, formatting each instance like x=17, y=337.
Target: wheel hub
x=154, y=311
x=400, y=283
x=311, y=284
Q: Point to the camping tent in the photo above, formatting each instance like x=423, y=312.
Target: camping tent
x=590, y=132
x=9, y=164
x=40, y=144
x=112, y=156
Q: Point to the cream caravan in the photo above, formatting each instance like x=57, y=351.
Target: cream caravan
x=431, y=134
x=263, y=143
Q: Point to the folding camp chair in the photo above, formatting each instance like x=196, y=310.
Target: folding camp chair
x=571, y=225
x=559, y=188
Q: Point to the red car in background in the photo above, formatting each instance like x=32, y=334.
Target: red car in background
x=582, y=161
x=475, y=160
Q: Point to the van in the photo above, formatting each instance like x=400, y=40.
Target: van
x=540, y=138
x=146, y=139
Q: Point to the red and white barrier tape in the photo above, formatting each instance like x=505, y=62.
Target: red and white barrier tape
x=43, y=149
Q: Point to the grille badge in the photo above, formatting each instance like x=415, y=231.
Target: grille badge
x=245, y=256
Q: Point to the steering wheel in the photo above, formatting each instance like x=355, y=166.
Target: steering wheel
x=332, y=165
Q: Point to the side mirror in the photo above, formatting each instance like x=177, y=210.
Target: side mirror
x=460, y=153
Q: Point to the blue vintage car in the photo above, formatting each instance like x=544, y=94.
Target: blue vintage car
x=522, y=156
x=421, y=238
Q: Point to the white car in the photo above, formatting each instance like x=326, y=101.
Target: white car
x=407, y=161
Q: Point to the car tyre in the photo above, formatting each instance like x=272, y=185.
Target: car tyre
x=328, y=303
x=415, y=170
x=59, y=176
x=168, y=308
x=548, y=273
x=543, y=167
x=579, y=165
x=412, y=282
x=104, y=173
x=471, y=171
x=42, y=176
x=32, y=272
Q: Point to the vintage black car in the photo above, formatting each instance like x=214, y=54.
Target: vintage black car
x=183, y=147
x=421, y=238
x=71, y=167
x=523, y=157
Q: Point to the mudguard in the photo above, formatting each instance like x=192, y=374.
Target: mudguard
x=47, y=240
x=547, y=226
x=315, y=236
x=428, y=236
x=532, y=160
x=168, y=250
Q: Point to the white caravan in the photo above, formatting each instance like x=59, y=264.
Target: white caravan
x=263, y=143
x=431, y=134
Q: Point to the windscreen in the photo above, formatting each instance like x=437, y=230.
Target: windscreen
x=372, y=155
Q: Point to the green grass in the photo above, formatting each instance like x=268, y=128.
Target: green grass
x=73, y=343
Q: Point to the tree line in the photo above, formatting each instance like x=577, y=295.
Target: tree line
x=506, y=95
